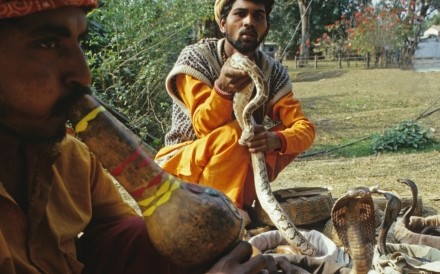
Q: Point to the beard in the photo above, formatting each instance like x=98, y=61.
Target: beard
x=55, y=129
x=244, y=46
x=62, y=106
x=41, y=129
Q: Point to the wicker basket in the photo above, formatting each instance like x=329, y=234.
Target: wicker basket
x=304, y=205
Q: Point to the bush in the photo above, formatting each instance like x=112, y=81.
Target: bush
x=407, y=134
x=132, y=46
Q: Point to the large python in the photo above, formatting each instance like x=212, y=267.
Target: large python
x=243, y=108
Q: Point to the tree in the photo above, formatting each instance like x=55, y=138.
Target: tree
x=418, y=11
x=434, y=20
x=132, y=47
x=286, y=18
x=378, y=29
x=305, y=10
x=411, y=14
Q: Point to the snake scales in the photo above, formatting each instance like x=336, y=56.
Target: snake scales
x=243, y=109
x=353, y=217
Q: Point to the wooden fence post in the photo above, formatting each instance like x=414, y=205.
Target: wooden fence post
x=368, y=60
x=339, y=61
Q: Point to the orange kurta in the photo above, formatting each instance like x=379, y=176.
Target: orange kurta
x=69, y=193
x=215, y=158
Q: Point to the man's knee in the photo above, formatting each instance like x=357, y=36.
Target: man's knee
x=225, y=139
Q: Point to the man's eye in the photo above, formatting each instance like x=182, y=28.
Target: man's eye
x=241, y=14
x=260, y=17
x=48, y=43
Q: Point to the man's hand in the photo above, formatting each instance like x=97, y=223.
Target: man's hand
x=281, y=263
x=239, y=261
x=263, y=140
x=232, y=80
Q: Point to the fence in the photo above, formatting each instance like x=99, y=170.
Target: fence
x=388, y=60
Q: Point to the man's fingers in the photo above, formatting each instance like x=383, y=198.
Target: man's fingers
x=260, y=142
x=241, y=253
x=255, y=264
x=271, y=265
x=287, y=267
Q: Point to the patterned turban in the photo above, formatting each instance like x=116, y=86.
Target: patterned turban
x=18, y=8
x=218, y=6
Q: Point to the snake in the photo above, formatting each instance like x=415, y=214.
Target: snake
x=414, y=194
x=243, y=107
x=420, y=230
x=354, y=221
x=392, y=210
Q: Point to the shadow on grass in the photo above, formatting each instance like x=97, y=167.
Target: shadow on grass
x=315, y=75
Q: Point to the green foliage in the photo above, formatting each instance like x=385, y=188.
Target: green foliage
x=434, y=20
x=132, y=47
x=286, y=16
x=407, y=134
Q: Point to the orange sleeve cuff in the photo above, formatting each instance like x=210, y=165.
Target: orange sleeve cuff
x=283, y=140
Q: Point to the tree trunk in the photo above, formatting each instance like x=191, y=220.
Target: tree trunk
x=305, y=30
x=417, y=26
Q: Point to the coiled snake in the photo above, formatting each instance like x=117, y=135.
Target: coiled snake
x=243, y=109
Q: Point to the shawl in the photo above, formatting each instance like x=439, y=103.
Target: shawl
x=203, y=61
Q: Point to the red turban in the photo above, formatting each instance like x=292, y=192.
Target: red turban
x=18, y=8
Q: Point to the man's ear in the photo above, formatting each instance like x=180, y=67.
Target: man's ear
x=222, y=25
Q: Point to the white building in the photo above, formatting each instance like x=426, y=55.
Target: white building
x=269, y=48
x=432, y=31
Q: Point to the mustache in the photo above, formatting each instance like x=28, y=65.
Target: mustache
x=76, y=91
x=249, y=33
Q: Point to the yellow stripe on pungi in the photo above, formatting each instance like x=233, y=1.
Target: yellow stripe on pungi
x=84, y=122
x=162, y=195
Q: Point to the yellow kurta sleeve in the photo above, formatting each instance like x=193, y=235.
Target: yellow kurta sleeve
x=299, y=132
x=207, y=109
x=107, y=202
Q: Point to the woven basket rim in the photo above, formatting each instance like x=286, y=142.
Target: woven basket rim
x=303, y=210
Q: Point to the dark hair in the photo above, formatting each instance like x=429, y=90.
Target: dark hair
x=268, y=4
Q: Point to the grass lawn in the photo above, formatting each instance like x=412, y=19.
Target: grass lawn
x=351, y=106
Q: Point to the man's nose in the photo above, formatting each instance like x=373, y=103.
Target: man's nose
x=249, y=20
x=78, y=70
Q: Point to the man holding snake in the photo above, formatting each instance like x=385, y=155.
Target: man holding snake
x=52, y=188
x=202, y=145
